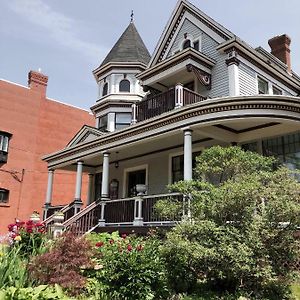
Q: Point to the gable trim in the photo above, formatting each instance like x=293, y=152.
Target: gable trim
x=174, y=22
x=82, y=134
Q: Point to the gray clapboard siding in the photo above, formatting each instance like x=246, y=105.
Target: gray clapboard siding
x=247, y=80
x=220, y=85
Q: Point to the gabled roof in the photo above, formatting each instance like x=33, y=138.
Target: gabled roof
x=129, y=48
x=176, y=16
x=85, y=134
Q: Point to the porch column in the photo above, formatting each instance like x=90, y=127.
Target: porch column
x=90, y=189
x=105, y=176
x=187, y=156
x=134, y=114
x=77, y=198
x=48, y=193
x=233, y=73
x=178, y=95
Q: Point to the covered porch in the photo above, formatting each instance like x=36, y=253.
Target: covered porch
x=160, y=150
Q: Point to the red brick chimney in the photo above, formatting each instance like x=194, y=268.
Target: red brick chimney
x=280, y=47
x=38, y=82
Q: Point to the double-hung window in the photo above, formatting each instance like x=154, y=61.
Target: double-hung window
x=4, y=194
x=4, y=141
x=263, y=86
x=123, y=120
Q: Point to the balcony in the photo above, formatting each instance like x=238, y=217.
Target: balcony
x=174, y=98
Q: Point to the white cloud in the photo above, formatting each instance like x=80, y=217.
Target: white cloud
x=59, y=26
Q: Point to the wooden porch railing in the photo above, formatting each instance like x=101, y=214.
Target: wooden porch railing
x=120, y=212
x=167, y=101
x=68, y=211
x=156, y=105
x=190, y=97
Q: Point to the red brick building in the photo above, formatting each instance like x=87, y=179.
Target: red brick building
x=32, y=125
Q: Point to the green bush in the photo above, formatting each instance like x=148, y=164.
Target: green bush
x=129, y=267
x=241, y=235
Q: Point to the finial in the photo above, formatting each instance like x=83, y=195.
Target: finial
x=131, y=16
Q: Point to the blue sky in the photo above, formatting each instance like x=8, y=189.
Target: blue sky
x=68, y=39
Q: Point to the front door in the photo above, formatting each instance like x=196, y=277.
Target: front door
x=98, y=185
x=134, y=178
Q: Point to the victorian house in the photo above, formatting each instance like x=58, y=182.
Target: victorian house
x=202, y=86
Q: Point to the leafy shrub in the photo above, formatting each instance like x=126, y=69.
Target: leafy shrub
x=63, y=263
x=129, y=267
x=241, y=236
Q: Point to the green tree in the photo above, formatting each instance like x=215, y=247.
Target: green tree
x=245, y=210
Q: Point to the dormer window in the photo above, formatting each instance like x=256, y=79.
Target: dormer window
x=186, y=44
x=105, y=89
x=196, y=45
x=4, y=140
x=124, y=86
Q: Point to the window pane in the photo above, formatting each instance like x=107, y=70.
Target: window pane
x=196, y=45
x=276, y=91
x=124, y=85
x=5, y=144
x=262, y=86
x=103, y=123
x=4, y=195
x=1, y=142
x=123, y=118
x=105, y=89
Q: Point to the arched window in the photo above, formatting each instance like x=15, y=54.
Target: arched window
x=105, y=89
x=186, y=44
x=124, y=85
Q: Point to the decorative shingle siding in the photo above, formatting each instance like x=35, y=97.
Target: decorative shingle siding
x=247, y=79
x=220, y=86
x=189, y=28
x=219, y=75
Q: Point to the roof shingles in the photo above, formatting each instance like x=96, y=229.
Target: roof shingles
x=129, y=48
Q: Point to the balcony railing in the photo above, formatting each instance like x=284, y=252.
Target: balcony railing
x=138, y=211
x=176, y=97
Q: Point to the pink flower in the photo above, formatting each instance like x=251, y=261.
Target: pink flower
x=124, y=236
x=129, y=248
x=111, y=241
x=99, y=244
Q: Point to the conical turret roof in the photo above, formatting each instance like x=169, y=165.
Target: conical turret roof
x=129, y=48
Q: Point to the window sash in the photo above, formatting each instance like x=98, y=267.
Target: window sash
x=4, y=195
x=4, y=143
x=276, y=91
x=102, y=125
x=263, y=86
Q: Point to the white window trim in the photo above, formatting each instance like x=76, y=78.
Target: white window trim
x=258, y=76
x=132, y=169
x=130, y=88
